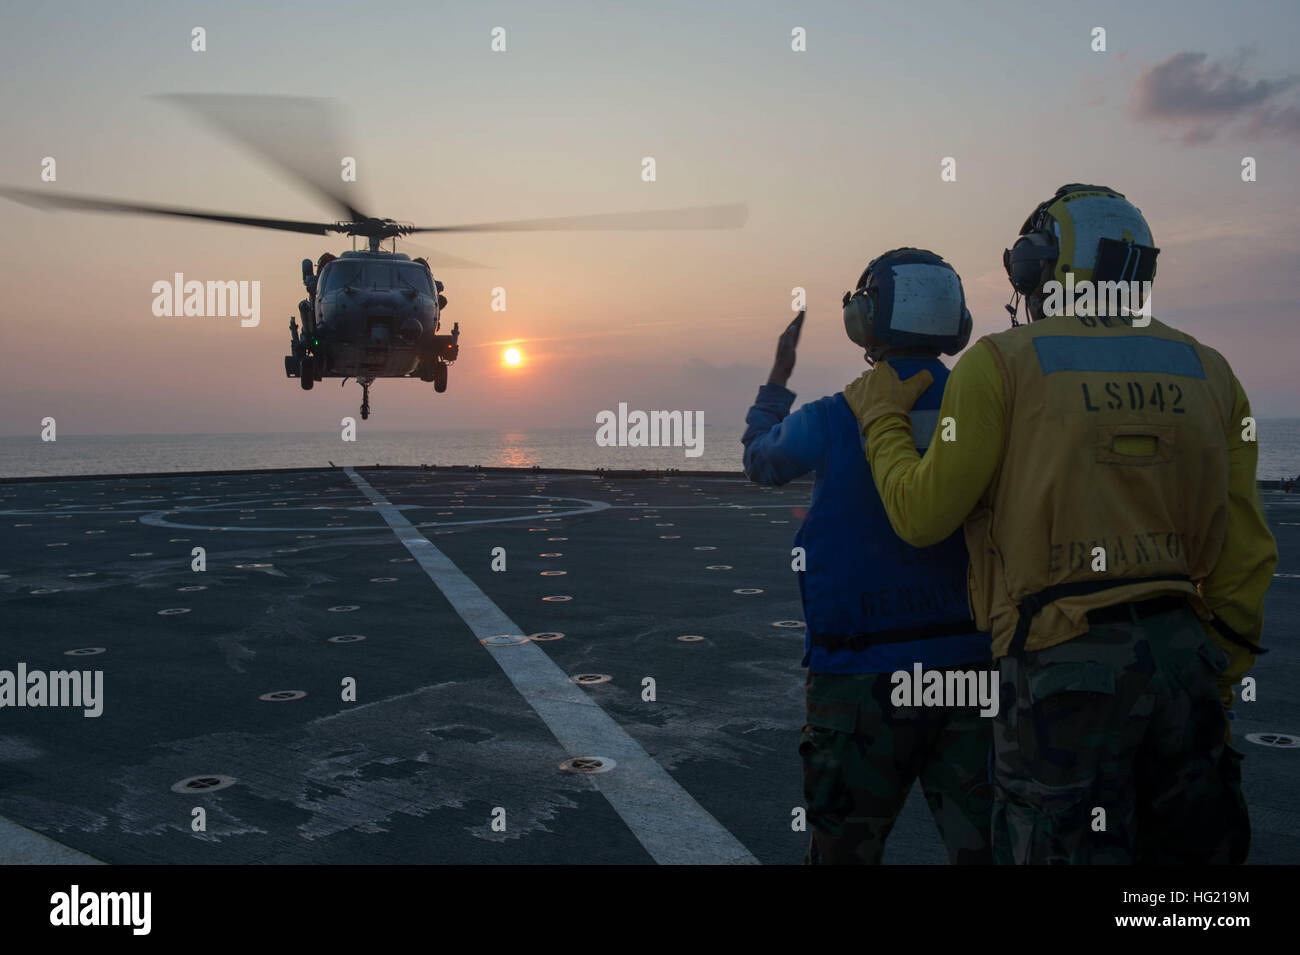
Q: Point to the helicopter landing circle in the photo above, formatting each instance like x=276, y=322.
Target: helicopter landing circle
x=526, y=512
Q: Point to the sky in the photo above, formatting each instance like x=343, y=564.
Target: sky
x=836, y=149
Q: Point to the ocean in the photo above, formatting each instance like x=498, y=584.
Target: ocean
x=29, y=456
x=557, y=448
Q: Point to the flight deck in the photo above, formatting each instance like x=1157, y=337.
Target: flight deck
x=453, y=665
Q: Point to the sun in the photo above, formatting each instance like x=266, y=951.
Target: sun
x=512, y=356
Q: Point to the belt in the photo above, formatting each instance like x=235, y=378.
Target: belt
x=861, y=641
x=1120, y=613
x=1030, y=604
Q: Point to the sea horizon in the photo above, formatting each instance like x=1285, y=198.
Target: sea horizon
x=552, y=447
x=573, y=448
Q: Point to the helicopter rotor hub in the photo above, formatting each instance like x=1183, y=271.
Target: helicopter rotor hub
x=374, y=228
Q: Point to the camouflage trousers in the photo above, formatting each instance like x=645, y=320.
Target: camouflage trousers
x=861, y=755
x=1111, y=748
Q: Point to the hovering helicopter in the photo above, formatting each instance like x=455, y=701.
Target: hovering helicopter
x=370, y=313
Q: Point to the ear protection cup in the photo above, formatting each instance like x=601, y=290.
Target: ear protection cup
x=1029, y=261
x=860, y=316
x=963, y=333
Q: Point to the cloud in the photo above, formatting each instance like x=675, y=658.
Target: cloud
x=1204, y=97
x=1276, y=229
x=628, y=329
x=1281, y=121
x=1197, y=135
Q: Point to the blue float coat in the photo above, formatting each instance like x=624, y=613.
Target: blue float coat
x=861, y=578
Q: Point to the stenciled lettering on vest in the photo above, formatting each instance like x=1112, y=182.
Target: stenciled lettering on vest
x=1149, y=547
x=895, y=601
x=1108, y=321
x=1112, y=395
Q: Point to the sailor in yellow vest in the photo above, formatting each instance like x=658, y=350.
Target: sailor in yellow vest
x=1104, y=471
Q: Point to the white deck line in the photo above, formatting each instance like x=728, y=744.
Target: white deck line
x=21, y=846
x=664, y=817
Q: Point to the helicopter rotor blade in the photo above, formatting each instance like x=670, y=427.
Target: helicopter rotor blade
x=296, y=133
x=694, y=217
x=442, y=260
x=40, y=199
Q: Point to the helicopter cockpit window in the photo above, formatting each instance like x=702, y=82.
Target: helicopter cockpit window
x=340, y=274
x=415, y=277
x=377, y=275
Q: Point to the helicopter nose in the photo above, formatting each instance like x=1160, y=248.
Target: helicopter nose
x=410, y=331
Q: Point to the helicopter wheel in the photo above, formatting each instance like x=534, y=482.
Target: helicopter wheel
x=307, y=372
x=440, y=377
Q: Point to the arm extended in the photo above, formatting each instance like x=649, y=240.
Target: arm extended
x=780, y=446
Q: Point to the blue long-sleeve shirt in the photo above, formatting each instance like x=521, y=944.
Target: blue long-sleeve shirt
x=780, y=446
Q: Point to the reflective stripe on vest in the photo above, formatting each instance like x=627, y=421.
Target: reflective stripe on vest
x=1115, y=447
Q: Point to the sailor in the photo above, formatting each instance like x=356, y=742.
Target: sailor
x=1104, y=472
x=873, y=604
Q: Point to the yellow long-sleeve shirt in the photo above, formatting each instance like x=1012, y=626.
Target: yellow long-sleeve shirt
x=927, y=498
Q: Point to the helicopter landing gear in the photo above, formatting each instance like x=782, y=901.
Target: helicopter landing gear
x=307, y=372
x=365, y=397
x=440, y=377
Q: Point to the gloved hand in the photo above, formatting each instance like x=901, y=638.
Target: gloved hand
x=786, y=347
x=878, y=392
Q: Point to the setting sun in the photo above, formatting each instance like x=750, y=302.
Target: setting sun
x=512, y=356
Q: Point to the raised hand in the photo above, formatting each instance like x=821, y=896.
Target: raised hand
x=786, y=345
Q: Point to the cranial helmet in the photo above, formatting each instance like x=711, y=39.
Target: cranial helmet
x=908, y=298
x=1090, y=231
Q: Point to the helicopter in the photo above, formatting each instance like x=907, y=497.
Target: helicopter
x=369, y=313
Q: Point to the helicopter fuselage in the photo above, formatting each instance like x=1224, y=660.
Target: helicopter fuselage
x=376, y=316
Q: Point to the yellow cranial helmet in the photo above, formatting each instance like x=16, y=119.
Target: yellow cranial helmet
x=1090, y=231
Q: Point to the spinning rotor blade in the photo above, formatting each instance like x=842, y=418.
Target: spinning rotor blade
x=39, y=199
x=441, y=260
x=295, y=133
x=694, y=217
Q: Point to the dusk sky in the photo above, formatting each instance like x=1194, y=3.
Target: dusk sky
x=836, y=150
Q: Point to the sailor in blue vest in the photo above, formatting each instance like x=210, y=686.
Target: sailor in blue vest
x=874, y=605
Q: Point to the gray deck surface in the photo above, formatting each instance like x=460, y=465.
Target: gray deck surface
x=443, y=730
